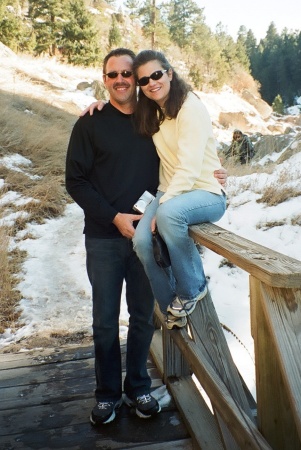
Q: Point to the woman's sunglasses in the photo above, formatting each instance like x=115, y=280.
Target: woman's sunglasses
x=123, y=73
x=154, y=76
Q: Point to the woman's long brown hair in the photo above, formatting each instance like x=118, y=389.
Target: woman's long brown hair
x=148, y=114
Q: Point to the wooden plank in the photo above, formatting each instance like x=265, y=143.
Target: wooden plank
x=273, y=268
x=156, y=350
x=66, y=426
x=278, y=367
x=233, y=413
x=182, y=444
x=37, y=388
x=242, y=427
x=195, y=411
x=207, y=333
x=46, y=356
x=47, y=405
x=42, y=373
x=229, y=442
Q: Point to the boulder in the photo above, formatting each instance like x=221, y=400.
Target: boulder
x=83, y=85
x=264, y=109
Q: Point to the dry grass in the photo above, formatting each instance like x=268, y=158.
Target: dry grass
x=269, y=225
x=274, y=194
x=10, y=263
x=296, y=220
x=281, y=190
x=40, y=133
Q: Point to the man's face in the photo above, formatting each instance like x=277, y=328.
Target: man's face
x=122, y=89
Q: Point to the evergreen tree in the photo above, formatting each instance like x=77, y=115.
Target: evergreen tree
x=266, y=70
x=241, y=50
x=183, y=15
x=227, y=45
x=79, y=42
x=133, y=7
x=278, y=105
x=154, y=27
x=114, y=34
x=47, y=17
x=14, y=31
x=207, y=68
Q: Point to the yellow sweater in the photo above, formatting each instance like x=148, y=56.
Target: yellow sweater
x=187, y=151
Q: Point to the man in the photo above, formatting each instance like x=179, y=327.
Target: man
x=108, y=167
x=241, y=148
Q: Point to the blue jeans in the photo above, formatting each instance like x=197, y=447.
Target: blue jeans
x=109, y=263
x=185, y=278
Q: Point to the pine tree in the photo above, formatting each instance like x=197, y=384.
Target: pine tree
x=47, y=17
x=14, y=32
x=79, y=43
x=183, y=14
x=278, y=105
x=154, y=27
x=133, y=7
x=114, y=34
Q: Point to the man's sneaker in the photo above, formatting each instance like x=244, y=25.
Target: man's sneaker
x=175, y=322
x=104, y=412
x=182, y=308
x=146, y=405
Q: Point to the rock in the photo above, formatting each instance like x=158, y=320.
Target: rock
x=83, y=85
x=234, y=119
x=266, y=145
x=261, y=106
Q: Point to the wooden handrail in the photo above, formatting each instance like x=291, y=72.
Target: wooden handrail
x=268, y=266
x=275, y=311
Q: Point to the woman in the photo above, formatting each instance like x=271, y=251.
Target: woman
x=188, y=193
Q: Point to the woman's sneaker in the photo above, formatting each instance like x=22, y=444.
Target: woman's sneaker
x=175, y=322
x=146, y=405
x=104, y=412
x=182, y=308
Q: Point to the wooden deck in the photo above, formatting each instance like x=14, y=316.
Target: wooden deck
x=45, y=401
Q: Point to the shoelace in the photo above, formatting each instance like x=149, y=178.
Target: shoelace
x=104, y=405
x=144, y=399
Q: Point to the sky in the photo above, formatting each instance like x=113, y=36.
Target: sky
x=56, y=294
x=256, y=15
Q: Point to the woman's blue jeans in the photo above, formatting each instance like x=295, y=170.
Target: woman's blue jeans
x=110, y=262
x=185, y=278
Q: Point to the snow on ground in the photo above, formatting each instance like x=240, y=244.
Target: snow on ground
x=54, y=285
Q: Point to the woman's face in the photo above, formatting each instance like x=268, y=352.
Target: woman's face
x=155, y=89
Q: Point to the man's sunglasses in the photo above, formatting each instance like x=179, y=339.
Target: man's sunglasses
x=154, y=76
x=123, y=73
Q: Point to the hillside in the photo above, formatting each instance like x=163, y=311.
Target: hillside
x=51, y=277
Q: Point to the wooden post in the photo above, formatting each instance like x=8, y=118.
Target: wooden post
x=276, y=419
x=174, y=364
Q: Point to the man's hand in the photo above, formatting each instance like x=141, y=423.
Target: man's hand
x=95, y=105
x=124, y=223
x=221, y=176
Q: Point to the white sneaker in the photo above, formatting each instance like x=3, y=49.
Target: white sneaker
x=182, y=308
x=175, y=322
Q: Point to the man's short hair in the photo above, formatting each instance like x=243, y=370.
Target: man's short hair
x=117, y=52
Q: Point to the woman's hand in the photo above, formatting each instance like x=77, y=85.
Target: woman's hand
x=221, y=176
x=95, y=105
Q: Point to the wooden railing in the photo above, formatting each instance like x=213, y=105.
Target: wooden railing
x=198, y=357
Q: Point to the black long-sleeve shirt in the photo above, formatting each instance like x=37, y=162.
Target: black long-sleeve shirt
x=108, y=167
